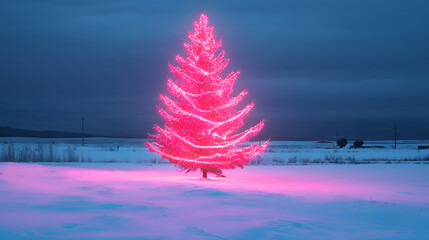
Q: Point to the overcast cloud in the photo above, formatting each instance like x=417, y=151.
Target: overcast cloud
x=312, y=67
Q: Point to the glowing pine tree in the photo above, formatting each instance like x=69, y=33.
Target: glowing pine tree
x=201, y=122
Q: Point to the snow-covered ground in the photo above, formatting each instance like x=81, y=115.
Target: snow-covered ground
x=279, y=152
x=139, y=201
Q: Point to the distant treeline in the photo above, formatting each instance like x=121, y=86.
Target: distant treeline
x=16, y=132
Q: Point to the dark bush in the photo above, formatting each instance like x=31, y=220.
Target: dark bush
x=358, y=144
x=342, y=142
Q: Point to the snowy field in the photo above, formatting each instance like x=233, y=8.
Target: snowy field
x=140, y=201
x=114, y=189
x=116, y=150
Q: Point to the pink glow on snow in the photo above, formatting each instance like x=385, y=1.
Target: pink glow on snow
x=83, y=202
x=306, y=181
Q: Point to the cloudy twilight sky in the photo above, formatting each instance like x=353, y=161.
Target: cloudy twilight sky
x=311, y=67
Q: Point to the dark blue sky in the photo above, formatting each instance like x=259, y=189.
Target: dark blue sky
x=312, y=67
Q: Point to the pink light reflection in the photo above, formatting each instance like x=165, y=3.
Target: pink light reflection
x=364, y=182
x=79, y=202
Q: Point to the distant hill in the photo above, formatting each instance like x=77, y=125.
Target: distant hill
x=17, y=132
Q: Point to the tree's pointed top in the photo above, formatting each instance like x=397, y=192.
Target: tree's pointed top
x=202, y=23
x=203, y=20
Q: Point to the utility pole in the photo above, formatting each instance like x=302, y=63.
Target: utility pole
x=395, y=134
x=83, y=135
x=336, y=134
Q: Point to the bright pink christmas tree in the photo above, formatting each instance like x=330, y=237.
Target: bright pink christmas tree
x=201, y=121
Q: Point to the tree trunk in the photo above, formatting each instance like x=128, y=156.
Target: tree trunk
x=204, y=173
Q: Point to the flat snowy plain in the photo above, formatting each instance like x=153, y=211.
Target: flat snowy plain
x=130, y=200
x=116, y=150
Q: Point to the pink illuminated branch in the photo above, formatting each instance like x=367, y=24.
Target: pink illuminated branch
x=168, y=132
